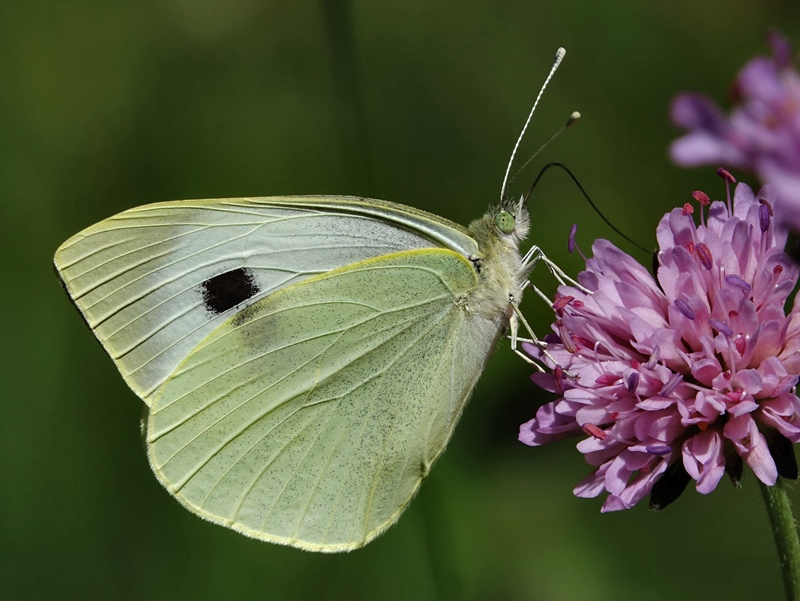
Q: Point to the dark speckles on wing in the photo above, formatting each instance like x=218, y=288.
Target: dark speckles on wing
x=227, y=290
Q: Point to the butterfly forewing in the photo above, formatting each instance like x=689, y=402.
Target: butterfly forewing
x=311, y=417
x=154, y=281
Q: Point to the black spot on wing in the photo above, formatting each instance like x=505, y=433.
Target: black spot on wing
x=228, y=289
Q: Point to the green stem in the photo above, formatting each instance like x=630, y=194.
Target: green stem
x=784, y=529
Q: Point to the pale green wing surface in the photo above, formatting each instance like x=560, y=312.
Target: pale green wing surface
x=312, y=416
x=154, y=281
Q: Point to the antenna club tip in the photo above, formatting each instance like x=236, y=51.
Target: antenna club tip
x=560, y=54
x=575, y=116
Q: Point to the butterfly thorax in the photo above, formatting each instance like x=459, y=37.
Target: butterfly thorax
x=501, y=272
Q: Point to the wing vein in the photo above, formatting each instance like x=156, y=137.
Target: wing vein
x=225, y=394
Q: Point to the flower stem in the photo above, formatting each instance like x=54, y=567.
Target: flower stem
x=784, y=529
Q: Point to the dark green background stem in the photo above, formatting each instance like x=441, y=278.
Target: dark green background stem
x=784, y=530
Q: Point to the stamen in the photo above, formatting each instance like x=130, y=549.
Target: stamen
x=593, y=430
x=670, y=386
x=633, y=382
x=566, y=340
x=721, y=327
x=738, y=282
x=704, y=254
x=688, y=211
x=703, y=199
x=726, y=175
x=764, y=214
x=659, y=449
x=571, y=244
x=654, y=357
x=684, y=308
x=729, y=179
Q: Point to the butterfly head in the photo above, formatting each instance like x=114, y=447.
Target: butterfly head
x=511, y=220
x=499, y=233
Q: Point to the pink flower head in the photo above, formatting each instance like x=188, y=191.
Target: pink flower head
x=684, y=377
x=762, y=132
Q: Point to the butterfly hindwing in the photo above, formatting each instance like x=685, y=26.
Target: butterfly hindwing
x=311, y=417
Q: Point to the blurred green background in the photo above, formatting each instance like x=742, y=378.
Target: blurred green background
x=108, y=104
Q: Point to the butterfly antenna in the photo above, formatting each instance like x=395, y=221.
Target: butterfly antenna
x=573, y=118
x=559, y=57
x=588, y=199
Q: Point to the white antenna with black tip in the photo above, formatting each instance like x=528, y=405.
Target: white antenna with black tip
x=573, y=119
x=559, y=57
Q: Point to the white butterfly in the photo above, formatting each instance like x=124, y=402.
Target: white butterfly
x=304, y=359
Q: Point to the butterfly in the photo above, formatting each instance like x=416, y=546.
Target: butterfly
x=303, y=360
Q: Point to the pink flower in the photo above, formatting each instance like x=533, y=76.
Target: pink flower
x=684, y=377
x=762, y=132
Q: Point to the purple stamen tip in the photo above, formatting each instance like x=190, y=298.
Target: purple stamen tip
x=738, y=282
x=720, y=327
x=763, y=216
x=572, y=231
x=633, y=382
x=658, y=449
x=701, y=197
x=670, y=386
x=684, y=308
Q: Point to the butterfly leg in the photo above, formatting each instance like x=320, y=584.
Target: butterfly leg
x=536, y=254
x=530, y=260
x=514, y=321
x=516, y=318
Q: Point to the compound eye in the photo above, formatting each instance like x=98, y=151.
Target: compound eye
x=505, y=222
